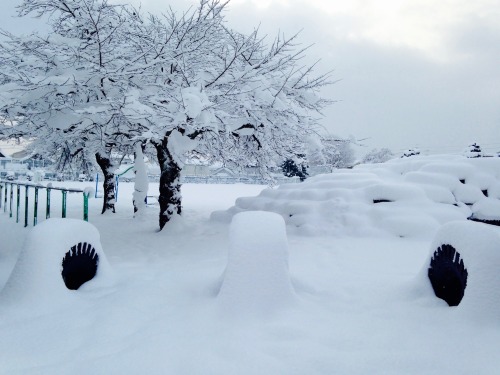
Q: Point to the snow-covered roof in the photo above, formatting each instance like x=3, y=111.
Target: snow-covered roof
x=223, y=172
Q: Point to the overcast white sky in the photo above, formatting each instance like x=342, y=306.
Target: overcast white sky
x=413, y=73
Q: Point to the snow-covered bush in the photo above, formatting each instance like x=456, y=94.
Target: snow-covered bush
x=473, y=151
x=377, y=156
x=290, y=169
x=338, y=152
x=411, y=152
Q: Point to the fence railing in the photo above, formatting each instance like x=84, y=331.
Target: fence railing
x=7, y=194
x=252, y=180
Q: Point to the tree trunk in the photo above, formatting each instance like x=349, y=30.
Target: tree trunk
x=141, y=183
x=109, y=182
x=170, y=185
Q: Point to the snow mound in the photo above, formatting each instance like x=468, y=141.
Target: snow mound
x=257, y=278
x=407, y=197
x=37, y=277
x=486, y=210
x=479, y=248
x=468, y=194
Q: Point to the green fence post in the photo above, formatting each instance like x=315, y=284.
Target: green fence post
x=35, y=207
x=18, y=202
x=64, y=192
x=47, y=207
x=11, y=198
x=5, y=201
x=26, y=206
x=85, y=206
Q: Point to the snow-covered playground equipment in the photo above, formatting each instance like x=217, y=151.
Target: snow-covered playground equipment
x=464, y=267
x=257, y=278
x=59, y=257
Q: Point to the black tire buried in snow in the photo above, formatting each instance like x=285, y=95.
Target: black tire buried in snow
x=79, y=265
x=485, y=221
x=448, y=275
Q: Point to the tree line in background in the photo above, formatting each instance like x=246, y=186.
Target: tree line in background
x=333, y=153
x=473, y=150
x=111, y=80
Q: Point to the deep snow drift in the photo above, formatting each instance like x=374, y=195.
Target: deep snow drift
x=404, y=197
x=348, y=304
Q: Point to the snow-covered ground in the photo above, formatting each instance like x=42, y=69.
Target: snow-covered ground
x=346, y=294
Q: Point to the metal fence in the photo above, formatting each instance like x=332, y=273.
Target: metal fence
x=7, y=189
x=253, y=180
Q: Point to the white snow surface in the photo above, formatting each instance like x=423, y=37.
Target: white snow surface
x=487, y=209
x=354, y=304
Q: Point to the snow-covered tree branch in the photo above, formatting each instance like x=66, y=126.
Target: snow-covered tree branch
x=108, y=76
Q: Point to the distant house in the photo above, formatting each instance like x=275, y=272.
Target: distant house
x=223, y=172
x=4, y=161
x=32, y=160
x=21, y=164
x=195, y=170
x=10, y=167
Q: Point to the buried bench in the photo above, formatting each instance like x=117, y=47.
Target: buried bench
x=60, y=257
x=464, y=265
